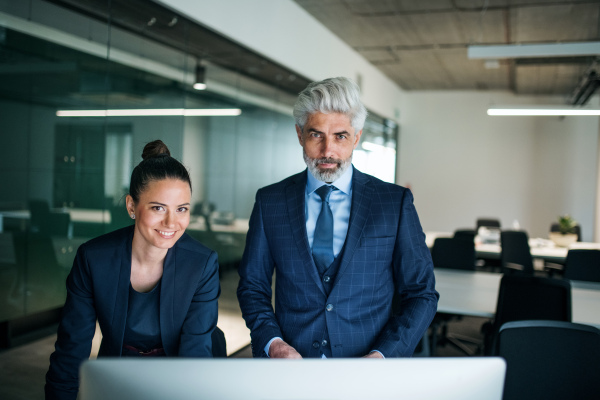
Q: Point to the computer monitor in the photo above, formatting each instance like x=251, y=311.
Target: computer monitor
x=465, y=378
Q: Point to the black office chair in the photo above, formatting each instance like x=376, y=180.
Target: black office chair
x=487, y=222
x=550, y=360
x=46, y=222
x=516, y=255
x=555, y=227
x=582, y=265
x=522, y=297
x=465, y=234
x=452, y=253
x=219, y=345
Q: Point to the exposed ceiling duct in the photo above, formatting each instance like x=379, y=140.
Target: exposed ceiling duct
x=586, y=87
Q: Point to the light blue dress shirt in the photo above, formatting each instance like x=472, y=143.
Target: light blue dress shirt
x=339, y=201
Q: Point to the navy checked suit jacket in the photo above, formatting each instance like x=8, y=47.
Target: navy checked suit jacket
x=98, y=288
x=384, y=255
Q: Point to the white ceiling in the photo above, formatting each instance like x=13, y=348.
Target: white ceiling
x=422, y=44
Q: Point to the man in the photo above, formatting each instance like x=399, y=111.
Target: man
x=341, y=252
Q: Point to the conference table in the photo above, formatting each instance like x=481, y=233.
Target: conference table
x=540, y=248
x=475, y=293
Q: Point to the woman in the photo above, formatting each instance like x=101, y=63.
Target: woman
x=152, y=288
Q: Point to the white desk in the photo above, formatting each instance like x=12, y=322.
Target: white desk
x=540, y=248
x=476, y=293
x=76, y=214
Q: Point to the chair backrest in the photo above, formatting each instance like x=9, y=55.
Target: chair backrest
x=532, y=298
x=467, y=234
x=453, y=253
x=550, y=360
x=219, y=344
x=488, y=222
x=555, y=227
x=515, y=250
x=583, y=265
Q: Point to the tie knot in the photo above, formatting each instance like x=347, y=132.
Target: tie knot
x=324, y=192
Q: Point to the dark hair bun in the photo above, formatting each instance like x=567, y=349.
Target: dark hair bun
x=155, y=149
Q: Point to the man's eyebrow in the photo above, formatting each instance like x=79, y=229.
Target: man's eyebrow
x=336, y=133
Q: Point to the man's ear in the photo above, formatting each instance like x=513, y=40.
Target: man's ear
x=299, y=133
x=357, y=138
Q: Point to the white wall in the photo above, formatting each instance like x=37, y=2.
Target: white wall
x=462, y=164
x=194, y=151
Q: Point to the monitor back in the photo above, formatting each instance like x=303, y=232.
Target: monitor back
x=430, y=378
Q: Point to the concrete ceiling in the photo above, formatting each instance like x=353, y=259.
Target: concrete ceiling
x=422, y=45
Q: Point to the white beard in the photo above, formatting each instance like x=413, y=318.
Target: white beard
x=328, y=175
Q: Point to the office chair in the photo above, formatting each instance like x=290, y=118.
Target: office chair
x=487, y=222
x=523, y=297
x=582, y=265
x=516, y=255
x=219, y=345
x=44, y=221
x=465, y=234
x=452, y=253
x=555, y=227
x=550, y=360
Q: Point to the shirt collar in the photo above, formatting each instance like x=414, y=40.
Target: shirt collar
x=343, y=183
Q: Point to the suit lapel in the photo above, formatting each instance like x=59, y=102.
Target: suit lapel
x=362, y=194
x=296, y=205
x=119, y=318
x=167, y=301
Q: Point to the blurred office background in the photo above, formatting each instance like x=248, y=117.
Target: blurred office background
x=64, y=178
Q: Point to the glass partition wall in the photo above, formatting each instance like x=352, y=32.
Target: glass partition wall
x=67, y=158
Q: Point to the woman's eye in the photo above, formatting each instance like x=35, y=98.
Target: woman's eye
x=158, y=208
x=182, y=209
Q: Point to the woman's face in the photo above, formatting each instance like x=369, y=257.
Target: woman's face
x=162, y=213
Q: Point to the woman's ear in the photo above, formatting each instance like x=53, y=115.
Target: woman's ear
x=130, y=205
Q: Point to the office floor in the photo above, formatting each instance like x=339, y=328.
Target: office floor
x=23, y=368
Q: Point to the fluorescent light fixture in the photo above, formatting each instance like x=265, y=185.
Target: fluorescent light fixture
x=542, y=111
x=534, y=50
x=199, y=86
x=157, y=112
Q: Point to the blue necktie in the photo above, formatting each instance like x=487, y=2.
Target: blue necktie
x=323, y=238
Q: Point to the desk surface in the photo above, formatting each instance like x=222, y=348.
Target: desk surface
x=476, y=293
x=540, y=248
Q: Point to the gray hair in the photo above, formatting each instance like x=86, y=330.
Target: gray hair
x=333, y=95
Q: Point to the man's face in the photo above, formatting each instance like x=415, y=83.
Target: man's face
x=328, y=141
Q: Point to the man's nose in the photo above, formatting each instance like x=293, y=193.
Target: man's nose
x=328, y=147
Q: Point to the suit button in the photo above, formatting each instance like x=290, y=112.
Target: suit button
x=329, y=307
x=326, y=279
x=316, y=345
x=324, y=343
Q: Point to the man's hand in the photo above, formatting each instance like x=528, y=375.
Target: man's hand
x=280, y=349
x=373, y=354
